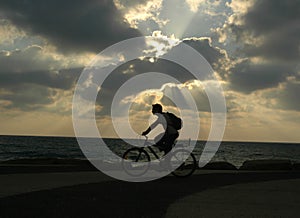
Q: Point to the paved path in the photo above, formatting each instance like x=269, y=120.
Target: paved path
x=206, y=194
x=13, y=184
x=265, y=199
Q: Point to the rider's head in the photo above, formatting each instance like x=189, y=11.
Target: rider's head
x=156, y=108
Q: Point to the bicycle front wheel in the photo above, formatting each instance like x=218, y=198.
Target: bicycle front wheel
x=136, y=162
x=184, y=162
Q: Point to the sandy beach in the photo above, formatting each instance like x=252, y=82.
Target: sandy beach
x=73, y=191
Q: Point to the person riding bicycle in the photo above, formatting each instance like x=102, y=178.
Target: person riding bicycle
x=163, y=141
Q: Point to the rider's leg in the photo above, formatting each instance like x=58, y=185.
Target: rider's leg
x=165, y=142
x=169, y=142
x=160, y=141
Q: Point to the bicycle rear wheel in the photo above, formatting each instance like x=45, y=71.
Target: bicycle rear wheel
x=184, y=161
x=136, y=161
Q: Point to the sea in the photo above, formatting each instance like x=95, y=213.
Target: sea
x=37, y=147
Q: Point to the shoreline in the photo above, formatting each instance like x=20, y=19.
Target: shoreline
x=72, y=165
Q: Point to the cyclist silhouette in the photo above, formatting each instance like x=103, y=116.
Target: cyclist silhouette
x=165, y=140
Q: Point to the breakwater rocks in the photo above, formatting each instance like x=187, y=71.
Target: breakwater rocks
x=266, y=164
x=219, y=165
x=85, y=165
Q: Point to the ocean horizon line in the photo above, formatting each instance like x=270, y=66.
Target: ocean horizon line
x=199, y=140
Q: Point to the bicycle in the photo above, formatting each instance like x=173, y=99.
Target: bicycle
x=136, y=161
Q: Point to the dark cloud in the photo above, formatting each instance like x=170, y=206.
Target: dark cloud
x=32, y=66
x=285, y=97
x=204, y=47
x=265, y=16
x=89, y=25
x=27, y=82
x=29, y=77
x=34, y=90
x=289, y=98
x=119, y=76
x=27, y=97
x=62, y=79
x=130, y=3
x=270, y=32
x=279, y=22
x=20, y=74
x=247, y=77
x=29, y=59
x=130, y=69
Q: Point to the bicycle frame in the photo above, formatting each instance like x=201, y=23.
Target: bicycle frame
x=148, y=145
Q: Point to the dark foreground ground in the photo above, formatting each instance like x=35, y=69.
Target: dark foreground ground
x=31, y=191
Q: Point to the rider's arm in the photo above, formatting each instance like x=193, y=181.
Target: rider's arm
x=147, y=131
x=153, y=125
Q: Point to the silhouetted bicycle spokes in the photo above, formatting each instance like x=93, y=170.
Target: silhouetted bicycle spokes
x=183, y=162
x=136, y=161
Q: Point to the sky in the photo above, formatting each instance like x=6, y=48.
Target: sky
x=253, y=47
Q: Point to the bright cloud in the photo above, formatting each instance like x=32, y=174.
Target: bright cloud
x=194, y=4
x=141, y=12
x=9, y=33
